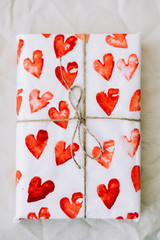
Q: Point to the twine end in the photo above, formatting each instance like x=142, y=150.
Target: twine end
x=79, y=166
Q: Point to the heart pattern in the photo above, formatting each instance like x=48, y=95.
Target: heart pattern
x=71, y=209
x=19, y=49
x=43, y=213
x=106, y=157
x=63, y=113
x=18, y=177
x=130, y=216
x=63, y=154
x=128, y=69
x=108, y=101
x=117, y=40
x=106, y=69
x=80, y=36
x=135, y=101
x=46, y=35
x=36, y=102
x=37, y=146
x=37, y=190
x=109, y=196
x=68, y=75
x=35, y=67
x=131, y=145
x=19, y=100
x=136, y=177
x=61, y=48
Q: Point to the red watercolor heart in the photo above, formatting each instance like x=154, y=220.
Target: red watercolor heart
x=136, y=177
x=130, y=216
x=35, y=67
x=106, y=69
x=108, y=101
x=63, y=113
x=106, y=157
x=117, y=40
x=37, y=103
x=71, y=209
x=131, y=145
x=135, y=101
x=109, y=196
x=32, y=215
x=80, y=36
x=46, y=35
x=38, y=191
x=19, y=100
x=128, y=69
x=43, y=213
x=62, y=48
x=63, y=154
x=68, y=75
x=37, y=146
x=120, y=217
x=18, y=177
x=19, y=49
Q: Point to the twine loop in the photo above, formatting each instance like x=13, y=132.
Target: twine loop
x=75, y=102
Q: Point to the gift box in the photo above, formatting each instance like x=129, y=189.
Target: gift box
x=78, y=126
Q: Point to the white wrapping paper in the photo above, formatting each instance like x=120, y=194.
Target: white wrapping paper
x=43, y=146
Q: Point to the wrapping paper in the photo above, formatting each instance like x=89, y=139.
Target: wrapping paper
x=49, y=184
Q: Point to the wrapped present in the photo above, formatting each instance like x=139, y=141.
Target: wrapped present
x=78, y=126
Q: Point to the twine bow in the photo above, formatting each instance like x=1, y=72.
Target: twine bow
x=80, y=120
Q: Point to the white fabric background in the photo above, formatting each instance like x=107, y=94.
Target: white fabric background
x=37, y=16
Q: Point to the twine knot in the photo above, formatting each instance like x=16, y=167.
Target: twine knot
x=81, y=119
